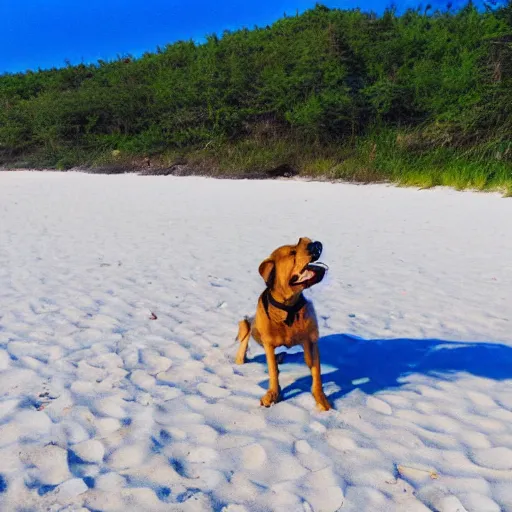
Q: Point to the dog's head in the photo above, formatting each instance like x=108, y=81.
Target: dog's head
x=292, y=268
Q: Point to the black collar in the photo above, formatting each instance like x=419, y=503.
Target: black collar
x=293, y=311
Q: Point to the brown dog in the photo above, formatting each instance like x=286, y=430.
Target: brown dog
x=284, y=316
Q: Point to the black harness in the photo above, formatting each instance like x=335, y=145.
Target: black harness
x=292, y=311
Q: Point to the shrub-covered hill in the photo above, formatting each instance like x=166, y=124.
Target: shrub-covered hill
x=423, y=98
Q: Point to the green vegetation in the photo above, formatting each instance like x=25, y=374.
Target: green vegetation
x=420, y=99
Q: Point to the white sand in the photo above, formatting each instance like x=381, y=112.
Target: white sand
x=104, y=409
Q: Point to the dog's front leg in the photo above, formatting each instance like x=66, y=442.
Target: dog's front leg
x=272, y=395
x=312, y=358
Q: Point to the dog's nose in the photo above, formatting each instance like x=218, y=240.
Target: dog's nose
x=315, y=249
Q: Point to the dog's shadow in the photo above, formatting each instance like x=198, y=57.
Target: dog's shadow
x=351, y=363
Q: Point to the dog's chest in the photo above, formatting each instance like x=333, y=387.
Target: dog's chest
x=296, y=339
x=271, y=326
x=298, y=334
x=288, y=336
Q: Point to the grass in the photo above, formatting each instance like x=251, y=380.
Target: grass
x=405, y=159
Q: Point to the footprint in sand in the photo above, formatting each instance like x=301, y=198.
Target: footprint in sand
x=308, y=457
x=322, y=492
x=341, y=440
x=254, y=456
x=128, y=456
x=379, y=405
x=143, y=380
x=50, y=462
x=111, y=407
x=90, y=451
x=202, y=454
x=493, y=458
x=211, y=391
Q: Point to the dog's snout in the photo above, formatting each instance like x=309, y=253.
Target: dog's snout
x=315, y=249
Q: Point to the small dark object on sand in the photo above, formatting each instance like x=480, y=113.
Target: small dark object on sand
x=282, y=171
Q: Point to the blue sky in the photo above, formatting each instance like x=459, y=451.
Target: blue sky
x=44, y=33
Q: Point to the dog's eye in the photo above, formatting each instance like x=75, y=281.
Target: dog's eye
x=293, y=253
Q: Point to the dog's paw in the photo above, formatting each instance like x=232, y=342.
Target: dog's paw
x=269, y=398
x=240, y=360
x=321, y=401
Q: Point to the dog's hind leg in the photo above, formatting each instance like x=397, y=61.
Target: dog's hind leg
x=244, y=334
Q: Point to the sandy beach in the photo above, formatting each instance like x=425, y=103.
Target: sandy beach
x=119, y=302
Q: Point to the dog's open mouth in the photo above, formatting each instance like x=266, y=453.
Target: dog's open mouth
x=311, y=274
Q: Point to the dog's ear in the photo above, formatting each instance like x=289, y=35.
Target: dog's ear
x=267, y=271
